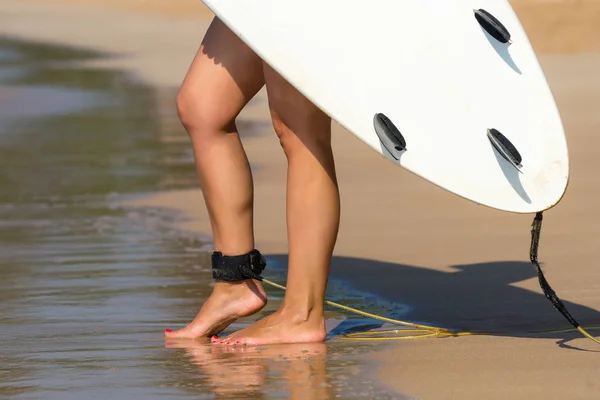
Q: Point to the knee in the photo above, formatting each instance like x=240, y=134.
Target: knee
x=286, y=136
x=298, y=123
x=306, y=132
x=186, y=108
x=196, y=115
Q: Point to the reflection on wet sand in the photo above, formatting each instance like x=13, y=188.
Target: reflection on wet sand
x=244, y=371
x=334, y=369
x=85, y=284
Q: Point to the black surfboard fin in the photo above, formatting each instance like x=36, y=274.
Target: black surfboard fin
x=389, y=135
x=492, y=26
x=506, y=149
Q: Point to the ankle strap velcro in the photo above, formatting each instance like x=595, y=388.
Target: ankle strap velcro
x=238, y=268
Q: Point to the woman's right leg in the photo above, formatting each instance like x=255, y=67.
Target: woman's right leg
x=223, y=77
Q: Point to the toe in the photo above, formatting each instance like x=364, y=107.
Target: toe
x=184, y=333
x=171, y=334
x=247, y=342
x=176, y=334
x=226, y=341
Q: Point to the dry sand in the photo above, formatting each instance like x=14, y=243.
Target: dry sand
x=169, y=8
x=454, y=262
x=553, y=26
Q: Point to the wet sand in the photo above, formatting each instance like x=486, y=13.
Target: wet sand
x=456, y=264
x=87, y=286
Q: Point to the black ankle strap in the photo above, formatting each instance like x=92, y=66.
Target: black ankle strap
x=237, y=268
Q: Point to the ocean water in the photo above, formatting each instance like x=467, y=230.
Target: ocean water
x=88, y=286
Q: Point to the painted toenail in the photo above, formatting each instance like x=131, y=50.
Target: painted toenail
x=168, y=330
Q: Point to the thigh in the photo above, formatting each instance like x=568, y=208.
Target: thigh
x=224, y=75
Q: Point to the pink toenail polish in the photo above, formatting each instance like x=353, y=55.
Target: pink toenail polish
x=168, y=330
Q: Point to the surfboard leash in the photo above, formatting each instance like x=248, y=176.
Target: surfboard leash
x=536, y=230
x=420, y=331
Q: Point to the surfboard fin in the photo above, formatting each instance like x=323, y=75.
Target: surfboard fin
x=389, y=135
x=492, y=26
x=506, y=149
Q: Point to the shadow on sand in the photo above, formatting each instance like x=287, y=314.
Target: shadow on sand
x=478, y=297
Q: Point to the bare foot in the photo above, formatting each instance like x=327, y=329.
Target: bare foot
x=277, y=328
x=228, y=302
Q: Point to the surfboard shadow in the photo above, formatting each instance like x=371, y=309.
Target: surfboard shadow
x=513, y=177
x=476, y=297
x=502, y=50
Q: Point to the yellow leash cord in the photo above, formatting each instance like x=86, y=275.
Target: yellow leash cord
x=420, y=331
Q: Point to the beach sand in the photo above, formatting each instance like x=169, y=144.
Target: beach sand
x=456, y=263
x=553, y=26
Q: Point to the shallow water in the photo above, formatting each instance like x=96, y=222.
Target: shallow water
x=87, y=286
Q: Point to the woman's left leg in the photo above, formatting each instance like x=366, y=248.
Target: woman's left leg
x=313, y=215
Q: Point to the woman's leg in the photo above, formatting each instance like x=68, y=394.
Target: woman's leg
x=313, y=214
x=223, y=77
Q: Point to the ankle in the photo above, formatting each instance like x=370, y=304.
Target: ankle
x=226, y=286
x=301, y=313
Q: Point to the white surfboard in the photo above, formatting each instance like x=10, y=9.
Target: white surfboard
x=450, y=90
